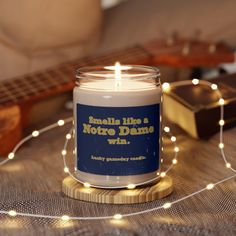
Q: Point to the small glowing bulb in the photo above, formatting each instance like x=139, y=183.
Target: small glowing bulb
x=117, y=216
x=195, y=81
x=68, y=136
x=162, y=160
x=11, y=155
x=228, y=165
x=61, y=122
x=221, y=122
x=131, y=186
x=35, y=133
x=221, y=145
x=65, y=217
x=63, y=152
x=174, y=161
x=210, y=186
x=66, y=169
x=87, y=185
x=166, y=87
x=173, y=138
x=158, y=173
x=214, y=87
x=167, y=205
x=166, y=129
x=163, y=174
x=221, y=101
x=176, y=149
x=12, y=213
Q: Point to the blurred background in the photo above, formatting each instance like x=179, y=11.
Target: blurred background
x=37, y=34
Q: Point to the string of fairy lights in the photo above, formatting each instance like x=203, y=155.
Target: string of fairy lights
x=166, y=88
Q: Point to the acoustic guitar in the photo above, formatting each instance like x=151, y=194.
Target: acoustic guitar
x=18, y=95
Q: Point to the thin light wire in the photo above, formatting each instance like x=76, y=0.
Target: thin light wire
x=30, y=136
x=123, y=215
x=52, y=126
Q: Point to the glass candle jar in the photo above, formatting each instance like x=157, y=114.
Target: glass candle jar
x=117, y=112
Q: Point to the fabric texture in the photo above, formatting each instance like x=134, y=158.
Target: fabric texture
x=32, y=183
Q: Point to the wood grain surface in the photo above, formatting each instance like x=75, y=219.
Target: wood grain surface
x=10, y=128
x=76, y=190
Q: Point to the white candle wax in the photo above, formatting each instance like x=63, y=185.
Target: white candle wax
x=108, y=93
x=129, y=93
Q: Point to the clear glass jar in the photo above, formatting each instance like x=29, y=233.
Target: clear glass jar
x=117, y=125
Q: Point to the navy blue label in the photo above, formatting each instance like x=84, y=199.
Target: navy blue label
x=118, y=140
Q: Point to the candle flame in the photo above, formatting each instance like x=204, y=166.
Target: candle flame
x=117, y=68
x=117, y=71
x=118, y=74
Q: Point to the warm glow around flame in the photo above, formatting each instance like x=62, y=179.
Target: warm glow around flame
x=119, y=65
x=117, y=68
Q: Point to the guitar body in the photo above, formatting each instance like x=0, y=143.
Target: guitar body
x=10, y=128
x=14, y=119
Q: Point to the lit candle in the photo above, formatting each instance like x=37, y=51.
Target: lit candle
x=117, y=112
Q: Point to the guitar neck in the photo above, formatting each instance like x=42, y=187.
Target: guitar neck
x=180, y=53
x=60, y=79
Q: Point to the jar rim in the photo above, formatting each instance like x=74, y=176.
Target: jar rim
x=107, y=72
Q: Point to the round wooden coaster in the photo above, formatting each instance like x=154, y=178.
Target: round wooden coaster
x=76, y=190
